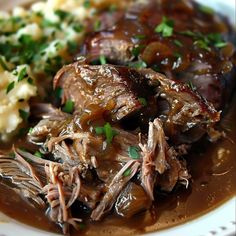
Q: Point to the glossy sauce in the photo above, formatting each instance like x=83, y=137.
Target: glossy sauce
x=213, y=170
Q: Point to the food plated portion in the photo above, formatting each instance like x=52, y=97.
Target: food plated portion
x=118, y=111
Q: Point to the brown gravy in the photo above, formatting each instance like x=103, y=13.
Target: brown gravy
x=213, y=170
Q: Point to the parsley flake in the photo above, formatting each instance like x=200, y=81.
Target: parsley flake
x=166, y=27
x=178, y=43
x=134, y=152
x=10, y=86
x=68, y=107
x=24, y=114
x=87, y=4
x=38, y=154
x=22, y=74
x=127, y=172
x=143, y=101
x=107, y=131
x=102, y=60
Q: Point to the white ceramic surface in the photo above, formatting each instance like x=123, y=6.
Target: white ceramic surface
x=218, y=222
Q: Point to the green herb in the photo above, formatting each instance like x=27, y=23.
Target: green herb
x=201, y=43
x=22, y=74
x=102, y=60
x=127, y=172
x=136, y=50
x=78, y=27
x=87, y=4
x=24, y=114
x=99, y=130
x=10, y=86
x=206, y=9
x=178, y=43
x=68, y=107
x=220, y=44
x=166, y=27
x=31, y=130
x=3, y=63
x=138, y=64
x=143, y=101
x=134, y=152
x=25, y=39
x=206, y=41
x=97, y=25
x=139, y=36
x=46, y=23
x=177, y=55
x=188, y=33
x=72, y=46
x=38, y=154
x=58, y=92
x=62, y=14
x=30, y=81
x=107, y=131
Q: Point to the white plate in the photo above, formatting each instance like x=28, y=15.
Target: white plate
x=219, y=222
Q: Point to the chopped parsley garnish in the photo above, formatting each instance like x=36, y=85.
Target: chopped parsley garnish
x=22, y=74
x=138, y=64
x=127, y=172
x=87, y=4
x=38, y=154
x=78, y=27
x=139, y=36
x=97, y=25
x=136, y=50
x=47, y=23
x=72, y=46
x=205, y=41
x=30, y=81
x=31, y=130
x=143, y=101
x=24, y=114
x=134, y=152
x=206, y=9
x=68, y=107
x=178, y=43
x=166, y=27
x=201, y=43
x=177, y=55
x=58, y=92
x=10, y=86
x=220, y=44
x=99, y=130
x=102, y=60
x=62, y=14
x=107, y=131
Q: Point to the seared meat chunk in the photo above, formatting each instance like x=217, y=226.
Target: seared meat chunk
x=118, y=90
x=115, y=89
x=195, y=51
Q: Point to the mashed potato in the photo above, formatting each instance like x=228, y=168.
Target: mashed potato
x=16, y=88
x=38, y=39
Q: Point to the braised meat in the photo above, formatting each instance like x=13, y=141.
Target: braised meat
x=169, y=37
x=113, y=88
